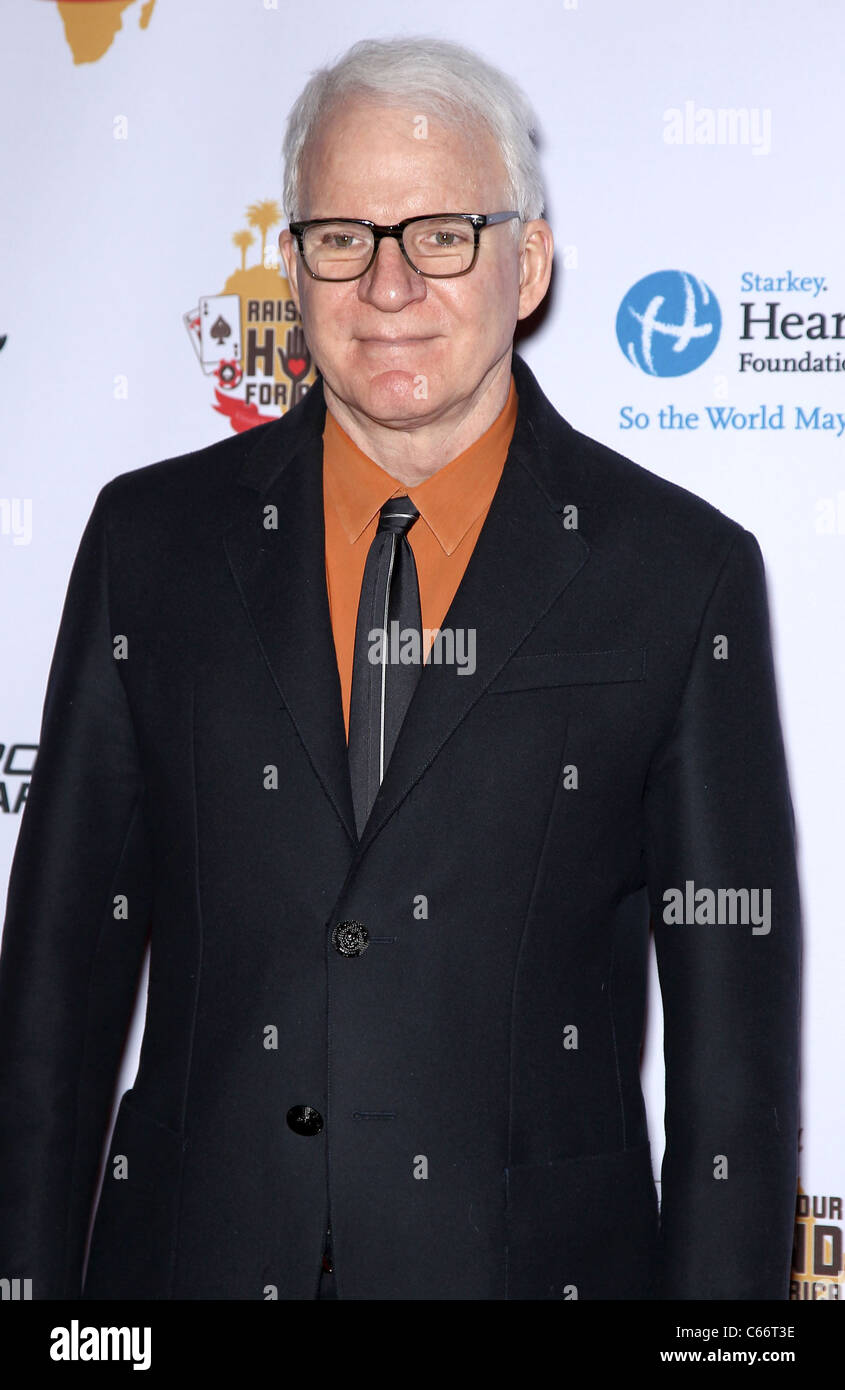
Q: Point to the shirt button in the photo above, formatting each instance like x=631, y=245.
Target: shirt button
x=304, y=1119
x=350, y=938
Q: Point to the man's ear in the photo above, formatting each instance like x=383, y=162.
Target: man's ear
x=535, y=264
x=288, y=249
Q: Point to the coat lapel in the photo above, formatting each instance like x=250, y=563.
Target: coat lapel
x=280, y=572
x=523, y=559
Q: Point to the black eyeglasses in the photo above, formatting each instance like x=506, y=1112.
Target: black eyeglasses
x=440, y=246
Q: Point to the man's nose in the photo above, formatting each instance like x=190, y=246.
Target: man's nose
x=390, y=282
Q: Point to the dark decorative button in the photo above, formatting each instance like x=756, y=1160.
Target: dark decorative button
x=328, y=1267
x=351, y=938
x=304, y=1119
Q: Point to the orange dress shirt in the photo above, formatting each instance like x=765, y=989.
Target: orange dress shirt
x=452, y=505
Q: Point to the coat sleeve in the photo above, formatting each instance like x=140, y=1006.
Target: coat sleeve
x=71, y=952
x=719, y=815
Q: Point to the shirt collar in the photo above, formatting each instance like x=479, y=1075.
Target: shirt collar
x=449, y=501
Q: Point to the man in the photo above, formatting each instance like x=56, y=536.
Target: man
x=399, y=911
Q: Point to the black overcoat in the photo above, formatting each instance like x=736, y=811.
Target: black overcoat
x=475, y=1125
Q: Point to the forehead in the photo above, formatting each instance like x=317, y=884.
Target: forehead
x=385, y=162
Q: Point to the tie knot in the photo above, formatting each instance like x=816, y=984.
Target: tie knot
x=397, y=515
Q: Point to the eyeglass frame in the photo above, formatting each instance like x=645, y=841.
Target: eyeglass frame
x=478, y=220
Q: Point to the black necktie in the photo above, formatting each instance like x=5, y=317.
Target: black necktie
x=389, y=623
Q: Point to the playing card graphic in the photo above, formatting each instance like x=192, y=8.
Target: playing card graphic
x=191, y=321
x=220, y=330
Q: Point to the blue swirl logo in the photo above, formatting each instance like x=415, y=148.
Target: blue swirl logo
x=668, y=323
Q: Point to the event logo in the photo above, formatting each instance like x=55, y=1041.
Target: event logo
x=248, y=338
x=91, y=25
x=668, y=323
x=818, y=1269
x=17, y=763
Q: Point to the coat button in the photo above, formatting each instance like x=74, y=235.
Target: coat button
x=304, y=1119
x=351, y=938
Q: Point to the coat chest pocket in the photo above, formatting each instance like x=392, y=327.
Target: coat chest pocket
x=545, y=669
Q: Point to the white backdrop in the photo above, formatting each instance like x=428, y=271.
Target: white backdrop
x=687, y=137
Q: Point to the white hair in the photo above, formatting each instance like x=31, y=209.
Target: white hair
x=429, y=75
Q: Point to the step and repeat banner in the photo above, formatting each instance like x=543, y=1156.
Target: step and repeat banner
x=696, y=323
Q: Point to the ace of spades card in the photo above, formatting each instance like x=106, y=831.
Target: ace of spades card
x=220, y=329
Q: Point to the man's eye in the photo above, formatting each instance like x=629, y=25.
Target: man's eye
x=340, y=241
x=445, y=238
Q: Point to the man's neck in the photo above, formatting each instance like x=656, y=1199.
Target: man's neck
x=413, y=453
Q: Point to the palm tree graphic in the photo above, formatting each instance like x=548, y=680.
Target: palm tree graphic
x=264, y=215
x=243, y=240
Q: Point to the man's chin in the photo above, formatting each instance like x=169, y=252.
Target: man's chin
x=394, y=395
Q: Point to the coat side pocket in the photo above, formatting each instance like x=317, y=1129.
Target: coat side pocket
x=134, y=1237
x=582, y=1227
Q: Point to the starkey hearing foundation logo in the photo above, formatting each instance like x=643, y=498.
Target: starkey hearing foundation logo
x=91, y=25
x=668, y=323
x=248, y=338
